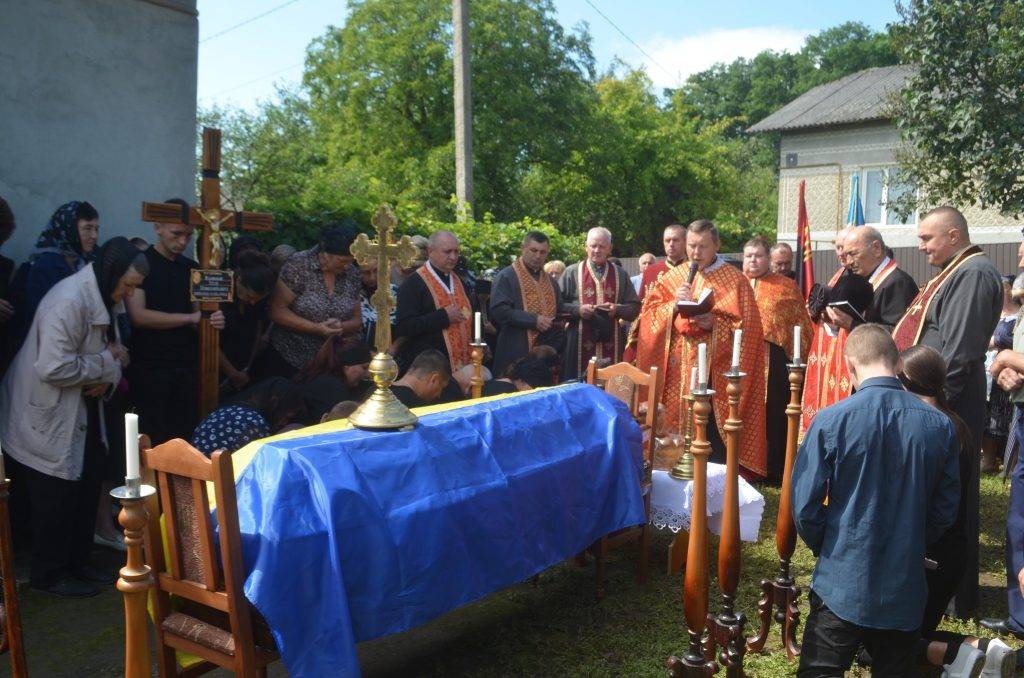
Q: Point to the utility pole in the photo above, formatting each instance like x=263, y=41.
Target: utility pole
x=463, y=111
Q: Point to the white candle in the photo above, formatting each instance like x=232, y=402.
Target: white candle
x=796, y=344
x=737, y=338
x=131, y=446
x=693, y=379
x=702, y=365
x=476, y=324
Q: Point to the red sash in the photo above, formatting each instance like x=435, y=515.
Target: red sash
x=594, y=290
x=908, y=329
x=538, y=296
x=457, y=336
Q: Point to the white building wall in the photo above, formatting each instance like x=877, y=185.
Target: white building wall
x=97, y=103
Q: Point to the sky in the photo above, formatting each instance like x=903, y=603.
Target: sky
x=241, y=65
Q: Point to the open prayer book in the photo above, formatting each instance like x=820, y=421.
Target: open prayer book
x=703, y=304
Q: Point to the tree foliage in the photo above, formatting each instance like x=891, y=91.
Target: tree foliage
x=555, y=146
x=962, y=113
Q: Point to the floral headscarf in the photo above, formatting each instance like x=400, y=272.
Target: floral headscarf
x=61, y=233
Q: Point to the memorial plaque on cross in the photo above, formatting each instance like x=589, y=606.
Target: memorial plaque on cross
x=209, y=218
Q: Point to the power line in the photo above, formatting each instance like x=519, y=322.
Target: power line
x=631, y=40
x=255, y=80
x=248, y=21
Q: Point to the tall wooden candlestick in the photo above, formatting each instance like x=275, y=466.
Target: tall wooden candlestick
x=12, y=624
x=135, y=579
x=476, y=352
x=782, y=592
x=695, y=596
x=726, y=629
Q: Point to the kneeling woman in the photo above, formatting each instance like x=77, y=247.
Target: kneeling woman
x=51, y=408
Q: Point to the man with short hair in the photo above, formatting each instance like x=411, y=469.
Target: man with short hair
x=894, y=289
x=782, y=260
x=596, y=294
x=956, y=313
x=427, y=377
x=163, y=375
x=888, y=466
x=674, y=242
x=434, y=311
x=646, y=260
x=827, y=380
x=781, y=307
x=524, y=303
x=670, y=341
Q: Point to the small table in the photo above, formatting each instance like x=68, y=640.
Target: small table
x=670, y=507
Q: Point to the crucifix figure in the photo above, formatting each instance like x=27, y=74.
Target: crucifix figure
x=209, y=219
x=382, y=410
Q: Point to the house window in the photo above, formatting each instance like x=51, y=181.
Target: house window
x=881, y=191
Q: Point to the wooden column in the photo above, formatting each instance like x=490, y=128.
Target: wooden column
x=135, y=579
x=476, y=351
x=695, y=583
x=782, y=592
x=209, y=338
x=726, y=629
x=12, y=624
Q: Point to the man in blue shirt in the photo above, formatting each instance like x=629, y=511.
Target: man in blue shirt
x=887, y=464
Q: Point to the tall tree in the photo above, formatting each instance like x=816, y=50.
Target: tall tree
x=962, y=114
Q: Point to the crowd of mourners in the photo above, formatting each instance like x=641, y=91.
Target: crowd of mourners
x=92, y=329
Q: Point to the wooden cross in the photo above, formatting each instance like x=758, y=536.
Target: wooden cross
x=384, y=250
x=209, y=218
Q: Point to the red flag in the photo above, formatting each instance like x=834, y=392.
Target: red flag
x=805, y=273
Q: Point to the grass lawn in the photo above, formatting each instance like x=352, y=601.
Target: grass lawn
x=553, y=629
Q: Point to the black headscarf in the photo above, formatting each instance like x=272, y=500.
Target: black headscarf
x=241, y=244
x=113, y=260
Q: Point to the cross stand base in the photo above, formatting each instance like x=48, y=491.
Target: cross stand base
x=726, y=632
x=779, y=595
x=693, y=664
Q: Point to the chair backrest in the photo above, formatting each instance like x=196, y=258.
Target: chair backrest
x=630, y=384
x=197, y=565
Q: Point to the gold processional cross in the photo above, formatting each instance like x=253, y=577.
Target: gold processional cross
x=382, y=410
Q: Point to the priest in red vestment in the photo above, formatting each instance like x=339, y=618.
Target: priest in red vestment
x=781, y=306
x=670, y=341
x=674, y=241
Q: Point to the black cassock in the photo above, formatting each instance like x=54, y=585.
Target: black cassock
x=513, y=322
x=891, y=299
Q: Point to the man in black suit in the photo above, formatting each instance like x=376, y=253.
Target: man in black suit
x=867, y=256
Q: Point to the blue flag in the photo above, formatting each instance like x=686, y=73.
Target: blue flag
x=855, y=213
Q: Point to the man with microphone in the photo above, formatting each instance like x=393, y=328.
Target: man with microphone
x=668, y=336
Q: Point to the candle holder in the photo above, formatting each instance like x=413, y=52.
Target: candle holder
x=695, y=596
x=476, y=352
x=683, y=470
x=135, y=578
x=725, y=630
x=782, y=593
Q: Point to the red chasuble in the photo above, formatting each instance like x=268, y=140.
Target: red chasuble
x=596, y=290
x=670, y=342
x=782, y=308
x=651, y=275
x=458, y=336
x=827, y=380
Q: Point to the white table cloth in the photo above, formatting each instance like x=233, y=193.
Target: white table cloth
x=671, y=501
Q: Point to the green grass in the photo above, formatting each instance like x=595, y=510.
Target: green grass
x=553, y=629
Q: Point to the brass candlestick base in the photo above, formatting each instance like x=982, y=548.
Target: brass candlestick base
x=477, y=380
x=135, y=579
x=683, y=469
x=382, y=411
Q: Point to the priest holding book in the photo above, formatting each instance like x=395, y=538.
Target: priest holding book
x=706, y=302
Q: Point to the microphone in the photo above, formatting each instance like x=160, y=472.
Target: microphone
x=693, y=273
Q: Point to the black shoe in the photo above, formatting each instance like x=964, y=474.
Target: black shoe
x=1002, y=627
x=68, y=587
x=94, y=575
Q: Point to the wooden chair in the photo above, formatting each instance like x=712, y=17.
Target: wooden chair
x=628, y=384
x=209, y=616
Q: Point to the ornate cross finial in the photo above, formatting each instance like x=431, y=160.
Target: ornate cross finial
x=384, y=250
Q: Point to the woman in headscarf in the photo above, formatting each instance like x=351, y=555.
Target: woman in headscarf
x=51, y=413
x=255, y=413
x=65, y=246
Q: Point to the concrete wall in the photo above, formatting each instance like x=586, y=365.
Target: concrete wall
x=826, y=159
x=97, y=103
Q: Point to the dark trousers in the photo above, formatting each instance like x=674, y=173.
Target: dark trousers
x=970, y=406
x=166, y=400
x=776, y=425
x=1015, y=528
x=830, y=644
x=63, y=512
